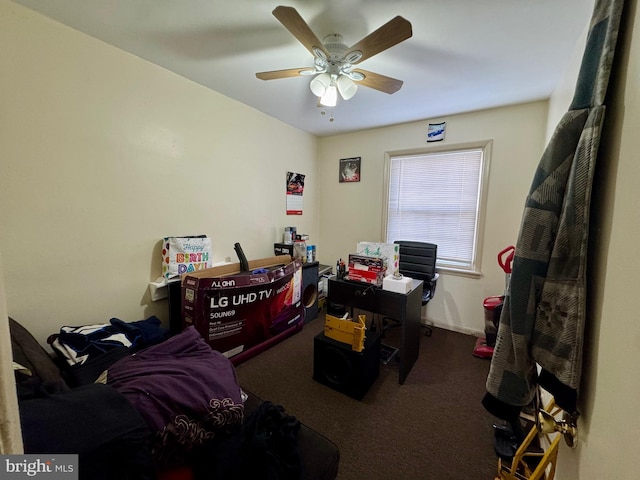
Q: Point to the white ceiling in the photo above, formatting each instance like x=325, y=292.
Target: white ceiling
x=464, y=55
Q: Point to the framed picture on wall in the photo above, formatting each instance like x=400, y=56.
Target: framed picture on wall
x=349, y=170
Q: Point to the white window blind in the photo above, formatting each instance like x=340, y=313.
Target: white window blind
x=436, y=197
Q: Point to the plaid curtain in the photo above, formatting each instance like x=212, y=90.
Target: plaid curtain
x=543, y=317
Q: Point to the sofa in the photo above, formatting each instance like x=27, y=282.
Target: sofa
x=184, y=418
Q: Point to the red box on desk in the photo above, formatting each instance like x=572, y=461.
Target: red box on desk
x=242, y=313
x=365, y=268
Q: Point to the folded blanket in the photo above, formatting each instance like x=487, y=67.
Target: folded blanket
x=186, y=392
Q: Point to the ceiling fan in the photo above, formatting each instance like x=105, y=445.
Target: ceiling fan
x=334, y=62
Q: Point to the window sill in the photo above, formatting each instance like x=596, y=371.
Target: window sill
x=460, y=272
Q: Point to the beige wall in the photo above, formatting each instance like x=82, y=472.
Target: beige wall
x=610, y=391
x=352, y=212
x=102, y=154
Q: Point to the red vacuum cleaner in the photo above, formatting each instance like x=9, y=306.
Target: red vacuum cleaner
x=493, y=308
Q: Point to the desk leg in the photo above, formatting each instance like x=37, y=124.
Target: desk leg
x=410, y=342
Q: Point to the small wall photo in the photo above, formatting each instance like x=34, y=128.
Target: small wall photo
x=349, y=170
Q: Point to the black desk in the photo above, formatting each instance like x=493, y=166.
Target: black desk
x=406, y=308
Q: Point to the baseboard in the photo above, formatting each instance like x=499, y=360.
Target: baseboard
x=454, y=328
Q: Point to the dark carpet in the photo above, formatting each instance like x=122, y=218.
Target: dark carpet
x=432, y=427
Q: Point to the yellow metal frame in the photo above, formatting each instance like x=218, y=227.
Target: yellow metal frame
x=520, y=469
x=346, y=331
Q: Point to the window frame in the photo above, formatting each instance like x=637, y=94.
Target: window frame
x=475, y=269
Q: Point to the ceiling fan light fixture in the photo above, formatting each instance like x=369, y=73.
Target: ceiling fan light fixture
x=346, y=87
x=353, y=57
x=320, y=64
x=333, y=62
x=330, y=98
x=320, y=84
x=319, y=53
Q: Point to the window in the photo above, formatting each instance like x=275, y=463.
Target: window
x=437, y=196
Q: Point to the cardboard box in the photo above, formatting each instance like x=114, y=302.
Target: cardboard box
x=374, y=278
x=240, y=313
x=366, y=262
x=364, y=268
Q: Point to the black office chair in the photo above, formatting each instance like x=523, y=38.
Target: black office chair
x=418, y=260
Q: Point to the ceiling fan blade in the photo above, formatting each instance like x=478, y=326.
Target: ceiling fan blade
x=391, y=33
x=292, y=21
x=275, y=74
x=379, y=82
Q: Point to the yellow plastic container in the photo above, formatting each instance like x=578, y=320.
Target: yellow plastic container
x=346, y=331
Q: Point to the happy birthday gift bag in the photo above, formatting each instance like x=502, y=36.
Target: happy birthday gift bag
x=182, y=255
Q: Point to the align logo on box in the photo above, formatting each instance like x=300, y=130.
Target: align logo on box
x=57, y=467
